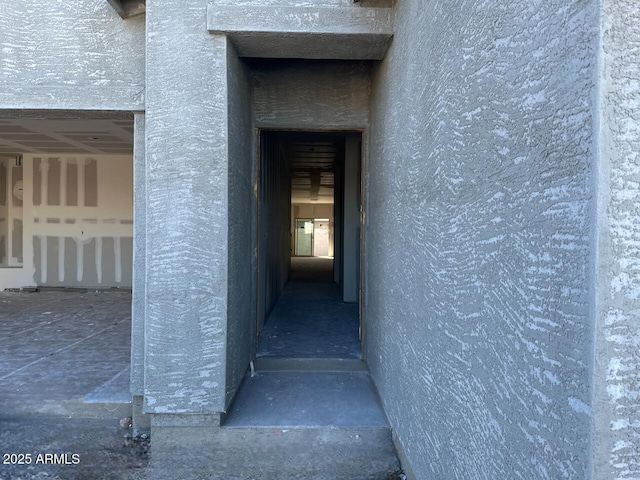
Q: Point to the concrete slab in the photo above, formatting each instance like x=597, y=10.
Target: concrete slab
x=114, y=390
x=274, y=364
x=64, y=368
x=57, y=349
x=307, y=399
x=311, y=321
x=273, y=454
x=100, y=445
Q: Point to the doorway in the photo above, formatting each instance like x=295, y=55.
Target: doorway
x=303, y=237
x=309, y=244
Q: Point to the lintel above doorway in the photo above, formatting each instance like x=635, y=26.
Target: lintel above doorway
x=344, y=33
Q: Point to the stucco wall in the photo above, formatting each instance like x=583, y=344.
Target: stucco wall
x=74, y=55
x=187, y=211
x=310, y=94
x=242, y=206
x=479, y=245
x=617, y=367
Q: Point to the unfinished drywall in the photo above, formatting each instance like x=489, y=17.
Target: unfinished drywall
x=617, y=336
x=70, y=55
x=11, y=192
x=75, y=222
x=80, y=220
x=479, y=250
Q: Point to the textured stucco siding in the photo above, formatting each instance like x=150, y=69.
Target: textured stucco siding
x=479, y=251
x=138, y=301
x=319, y=32
x=310, y=94
x=305, y=3
x=617, y=374
x=70, y=55
x=186, y=173
x=242, y=208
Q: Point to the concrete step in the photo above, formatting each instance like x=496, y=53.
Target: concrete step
x=276, y=454
x=302, y=425
x=276, y=364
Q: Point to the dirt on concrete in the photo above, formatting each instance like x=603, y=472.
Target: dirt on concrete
x=59, y=448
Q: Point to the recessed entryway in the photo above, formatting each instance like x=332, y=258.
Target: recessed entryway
x=309, y=244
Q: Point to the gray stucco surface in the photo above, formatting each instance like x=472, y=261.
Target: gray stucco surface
x=350, y=32
x=187, y=211
x=138, y=299
x=617, y=366
x=71, y=56
x=242, y=207
x=502, y=171
x=479, y=311
x=310, y=94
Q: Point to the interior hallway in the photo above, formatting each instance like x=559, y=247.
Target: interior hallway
x=309, y=319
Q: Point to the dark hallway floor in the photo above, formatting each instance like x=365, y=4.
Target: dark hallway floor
x=311, y=269
x=310, y=320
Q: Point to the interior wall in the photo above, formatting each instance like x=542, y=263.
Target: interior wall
x=480, y=237
x=242, y=207
x=77, y=222
x=274, y=224
x=310, y=210
x=617, y=336
x=11, y=234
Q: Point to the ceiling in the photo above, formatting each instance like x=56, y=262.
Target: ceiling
x=66, y=135
x=312, y=166
x=312, y=155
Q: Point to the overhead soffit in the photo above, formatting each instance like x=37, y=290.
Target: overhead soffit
x=128, y=8
x=350, y=32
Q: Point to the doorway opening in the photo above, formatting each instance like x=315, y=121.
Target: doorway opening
x=309, y=245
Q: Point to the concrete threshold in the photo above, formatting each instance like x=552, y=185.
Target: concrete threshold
x=275, y=364
x=293, y=424
x=307, y=399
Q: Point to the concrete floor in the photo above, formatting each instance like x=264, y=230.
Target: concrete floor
x=310, y=320
x=61, y=352
x=64, y=384
x=307, y=399
x=64, y=370
x=314, y=407
x=311, y=269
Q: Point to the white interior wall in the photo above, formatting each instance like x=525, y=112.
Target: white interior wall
x=76, y=245
x=311, y=210
x=10, y=212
